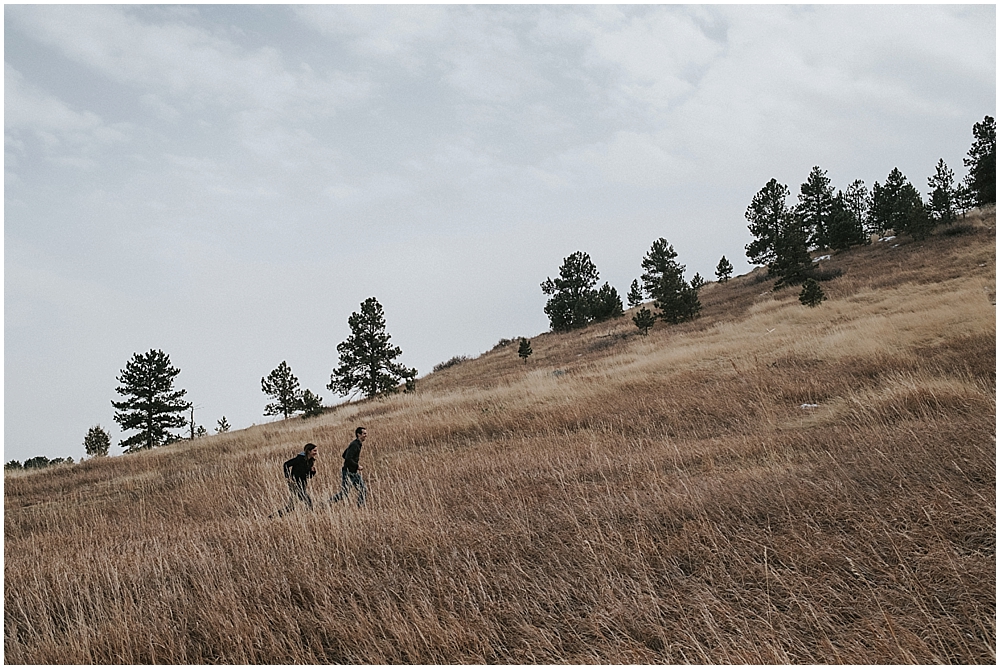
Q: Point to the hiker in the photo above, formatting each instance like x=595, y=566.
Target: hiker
x=351, y=472
x=298, y=471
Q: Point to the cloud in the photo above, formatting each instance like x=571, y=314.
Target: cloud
x=182, y=61
x=55, y=123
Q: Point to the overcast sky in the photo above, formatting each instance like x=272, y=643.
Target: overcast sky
x=229, y=183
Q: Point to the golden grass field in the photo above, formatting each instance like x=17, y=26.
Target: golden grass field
x=616, y=499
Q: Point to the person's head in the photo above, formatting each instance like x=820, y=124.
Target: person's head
x=361, y=433
x=311, y=450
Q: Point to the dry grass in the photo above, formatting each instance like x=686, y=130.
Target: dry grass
x=619, y=499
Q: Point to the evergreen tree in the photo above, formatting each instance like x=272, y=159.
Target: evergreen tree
x=981, y=181
x=312, y=405
x=573, y=293
x=858, y=201
x=37, y=462
x=644, y=319
x=815, y=207
x=898, y=199
x=283, y=387
x=607, y=304
x=524, y=349
x=878, y=219
x=664, y=281
x=200, y=432
x=151, y=404
x=941, y=200
x=845, y=229
x=812, y=294
x=697, y=281
x=97, y=442
x=13, y=465
x=723, y=270
x=367, y=359
x=634, y=294
x=781, y=243
x=222, y=426
x=912, y=217
x=660, y=260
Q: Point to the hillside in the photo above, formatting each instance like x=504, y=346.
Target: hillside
x=767, y=484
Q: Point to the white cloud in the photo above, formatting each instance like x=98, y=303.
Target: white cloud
x=184, y=62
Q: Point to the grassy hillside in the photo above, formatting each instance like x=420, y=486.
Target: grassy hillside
x=617, y=499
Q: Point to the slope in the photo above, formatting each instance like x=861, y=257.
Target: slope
x=767, y=484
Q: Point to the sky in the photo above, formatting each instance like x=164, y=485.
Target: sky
x=228, y=183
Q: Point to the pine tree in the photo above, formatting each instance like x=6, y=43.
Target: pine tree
x=200, y=432
x=222, y=426
x=312, y=405
x=941, y=200
x=524, y=349
x=845, y=228
x=283, y=387
x=812, y=294
x=816, y=207
x=573, y=294
x=367, y=359
x=644, y=319
x=151, y=404
x=634, y=294
x=780, y=242
x=981, y=181
x=606, y=304
x=13, y=465
x=663, y=280
x=878, y=219
x=37, y=462
x=97, y=442
x=911, y=217
x=697, y=281
x=660, y=260
x=858, y=201
x=723, y=270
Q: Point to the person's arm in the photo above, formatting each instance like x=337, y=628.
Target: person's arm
x=288, y=467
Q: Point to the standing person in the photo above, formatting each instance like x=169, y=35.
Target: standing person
x=351, y=472
x=298, y=471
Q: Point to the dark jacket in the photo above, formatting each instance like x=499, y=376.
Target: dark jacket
x=300, y=468
x=352, y=455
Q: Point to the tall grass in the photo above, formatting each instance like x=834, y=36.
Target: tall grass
x=660, y=499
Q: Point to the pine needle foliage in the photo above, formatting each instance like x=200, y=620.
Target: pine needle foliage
x=812, y=294
x=723, y=270
x=367, y=358
x=97, y=442
x=524, y=350
x=151, y=405
x=283, y=387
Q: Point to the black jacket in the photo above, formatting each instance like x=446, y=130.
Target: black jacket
x=352, y=455
x=300, y=468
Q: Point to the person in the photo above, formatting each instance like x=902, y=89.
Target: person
x=351, y=472
x=298, y=471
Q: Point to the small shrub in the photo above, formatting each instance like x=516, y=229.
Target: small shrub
x=812, y=295
x=958, y=229
x=817, y=274
x=458, y=359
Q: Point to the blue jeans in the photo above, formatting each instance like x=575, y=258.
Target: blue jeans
x=354, y=479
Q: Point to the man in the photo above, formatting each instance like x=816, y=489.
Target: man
x=351, y=472
x=298, y=471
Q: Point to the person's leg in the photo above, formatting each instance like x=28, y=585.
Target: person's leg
x=343, y=487
x=359, y=483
